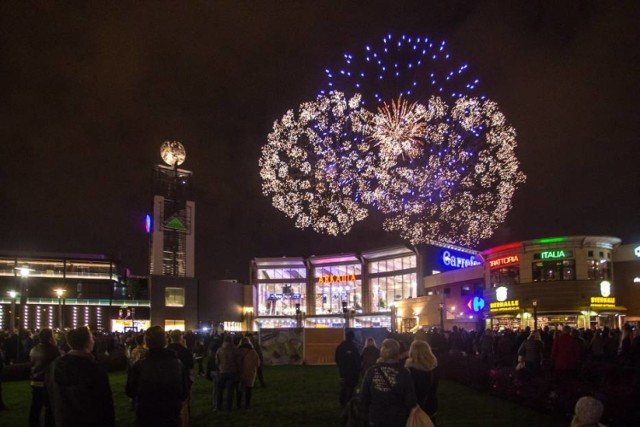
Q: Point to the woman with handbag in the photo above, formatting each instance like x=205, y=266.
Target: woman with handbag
x=387, y=389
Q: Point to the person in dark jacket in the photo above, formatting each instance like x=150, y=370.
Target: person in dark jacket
x=387, y=393
x=78, y=386
x=347, y=358
x=41, y=357
x=370, y=355
x=179, y=346
x=227, y=362
x=159, y=382
x=422, y=364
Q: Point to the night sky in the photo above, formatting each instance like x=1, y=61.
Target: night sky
x=88, y=93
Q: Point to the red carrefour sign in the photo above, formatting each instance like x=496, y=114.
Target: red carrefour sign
x=499, y=262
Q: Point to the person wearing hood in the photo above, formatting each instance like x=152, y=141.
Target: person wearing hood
x=422, y=364
x=249, y=361
x=78, y=387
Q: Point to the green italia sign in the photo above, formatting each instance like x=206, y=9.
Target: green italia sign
x=556, y=254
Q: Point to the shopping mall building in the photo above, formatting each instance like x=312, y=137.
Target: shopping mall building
x=581, y=281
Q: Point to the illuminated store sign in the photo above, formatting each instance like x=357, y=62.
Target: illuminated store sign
x=501, y=293
x=505, y=260
x=274, y=297
x=553, y=254
x=605, y=288
x=456, y=261
x=332, y=278
x=498, y=306
x=476, y=304
x=603, y=302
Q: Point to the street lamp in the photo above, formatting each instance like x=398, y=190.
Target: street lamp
x=535, y=314
x=60, y=292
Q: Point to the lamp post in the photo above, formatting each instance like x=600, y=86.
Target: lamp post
x=60, y=292
x=442, y=317
x=535, y=314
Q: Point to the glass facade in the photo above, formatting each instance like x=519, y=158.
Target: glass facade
x=335, y=290
x=281, y=290
x=387, y=290
x=338, y=288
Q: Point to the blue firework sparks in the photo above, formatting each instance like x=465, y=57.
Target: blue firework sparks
x=414, y=68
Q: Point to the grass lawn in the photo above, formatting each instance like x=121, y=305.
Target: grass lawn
x=302, y=396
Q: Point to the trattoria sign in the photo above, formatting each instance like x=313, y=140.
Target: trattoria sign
x=505, y=260
x=500, y=306
x=333, y=278
x=603, y=302
x=556, y=254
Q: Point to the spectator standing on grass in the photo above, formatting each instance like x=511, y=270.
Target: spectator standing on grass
x=227, y=363
x=370, y=355
x=78, y=386
x=387, y=392
x=422, y=364
x=347, y=357
x=531, y=352
x=249, y=361
x=41, y=357
x=179, y=346
x=159, y=382
x=566, y=352
x=258, y=349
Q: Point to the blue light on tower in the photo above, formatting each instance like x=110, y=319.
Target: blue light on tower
x=147, y=223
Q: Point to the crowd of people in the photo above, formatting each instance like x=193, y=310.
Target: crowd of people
x=392, y=381
x=404, y=370
x=70, y=386
x=67, y=376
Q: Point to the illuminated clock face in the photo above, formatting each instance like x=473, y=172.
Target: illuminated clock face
x=173, y=153
x=637, y=251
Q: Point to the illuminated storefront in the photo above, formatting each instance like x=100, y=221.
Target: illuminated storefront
x=63, y=291
x=553, y=282
x=334, y=291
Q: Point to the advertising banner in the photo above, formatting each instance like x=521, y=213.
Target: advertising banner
x=282, y=346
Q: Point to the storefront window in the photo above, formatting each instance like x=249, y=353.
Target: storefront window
x=388, y=290
x=549, y=271
x=505, y=276
x=281, y=291
x=338, y=288
x=599, y=269
x=280, y=299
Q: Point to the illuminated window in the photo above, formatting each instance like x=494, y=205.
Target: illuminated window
x=550, y=271
x=598, y=269
x=174, y=297
x=338, y=287
x=505, y=276
x=170, y=325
